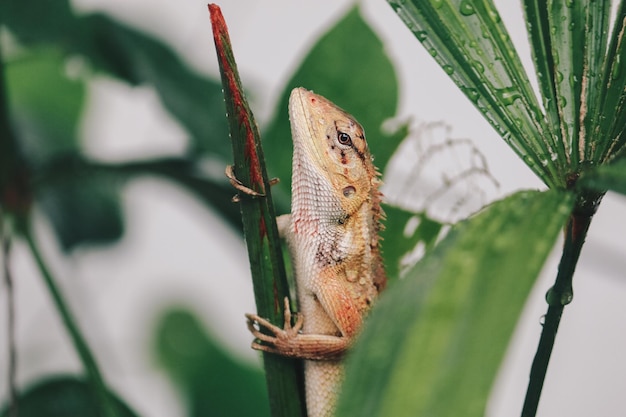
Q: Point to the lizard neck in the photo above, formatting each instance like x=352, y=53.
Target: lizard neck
x=314, y=205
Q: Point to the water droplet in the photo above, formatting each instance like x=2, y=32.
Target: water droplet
x=421, y=35
x=471, y=93
x=562, y=101
x=508, y=95
x=616, y=71
x=437, y=3
x=555, y=298
x=559, y=76
x=478, y=66
x=432, y=52
x=408, y=20
x=466, y=8
x=528, y=160
x=448, y=69
x=493, y=14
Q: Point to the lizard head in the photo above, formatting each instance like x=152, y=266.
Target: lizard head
x=332, y=143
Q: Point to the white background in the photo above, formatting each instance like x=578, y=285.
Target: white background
x=175, y=252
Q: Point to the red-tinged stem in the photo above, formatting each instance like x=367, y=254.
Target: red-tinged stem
x=259, y=225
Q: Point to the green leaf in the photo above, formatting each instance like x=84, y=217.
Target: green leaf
x=607, y=177
x=83, y=210
x=348, y=66
x=195, y=101
x=470, y=43
x=186, y=172
x=611, y=111
x=63, y=396
x=454, y=314
x=569, y=42
x=45, y=104
x=33, y=22
x=397, y=242
x=212, y=381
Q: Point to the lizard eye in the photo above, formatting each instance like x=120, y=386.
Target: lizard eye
x=344, y=138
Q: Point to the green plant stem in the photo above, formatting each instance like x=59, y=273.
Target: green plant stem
x=105, y=405
x=559, y=295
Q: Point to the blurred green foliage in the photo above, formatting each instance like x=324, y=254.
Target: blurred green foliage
x=209, y=378
x=63, y=396
x=447, y=295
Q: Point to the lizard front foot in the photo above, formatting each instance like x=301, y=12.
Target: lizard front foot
x=288, y=341
x=280, y=341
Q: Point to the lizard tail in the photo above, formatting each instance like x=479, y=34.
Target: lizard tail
x=323, y=381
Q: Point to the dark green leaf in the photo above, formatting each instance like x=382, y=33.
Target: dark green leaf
x=83, y=209
x=397, y=242
x=211, y=380
x=186, y=172
x=49, y=22
x=349, y=67
x=195, y=101
x=607, y=177
x=64, y=396
x=456, y=312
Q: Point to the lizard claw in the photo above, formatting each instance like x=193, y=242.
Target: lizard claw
x=277, y=337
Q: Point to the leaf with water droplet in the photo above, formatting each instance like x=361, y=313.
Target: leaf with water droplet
x=508, y=95
x=466, y=8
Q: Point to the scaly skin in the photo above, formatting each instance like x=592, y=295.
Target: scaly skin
x=333, y=237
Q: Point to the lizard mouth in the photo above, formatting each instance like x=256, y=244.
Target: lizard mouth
x=306, y=114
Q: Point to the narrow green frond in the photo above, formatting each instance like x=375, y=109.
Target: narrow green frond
x=611, y=117
x=596, y=33
x=473, y=47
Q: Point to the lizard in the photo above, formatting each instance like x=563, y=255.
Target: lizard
x=333, y=239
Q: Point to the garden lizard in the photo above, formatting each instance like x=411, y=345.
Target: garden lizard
x=333, y=237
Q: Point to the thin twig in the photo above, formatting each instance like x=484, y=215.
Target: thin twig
x=559, y=296
x=100, y=392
